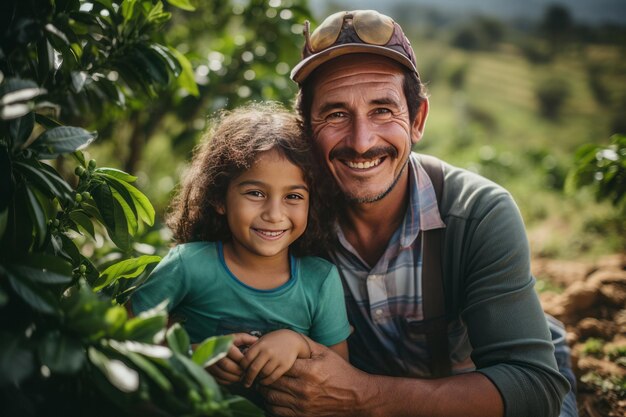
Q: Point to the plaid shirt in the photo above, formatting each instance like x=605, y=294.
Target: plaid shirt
x=383, y=298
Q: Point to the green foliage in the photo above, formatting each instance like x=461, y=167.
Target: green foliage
x=65, y=342
x=551, y=94
x=603, y=168
x=593, y=347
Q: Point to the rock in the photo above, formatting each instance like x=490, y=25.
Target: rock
x=604, y=276
x=579, y=296
x=614, y=293
x=592, y=327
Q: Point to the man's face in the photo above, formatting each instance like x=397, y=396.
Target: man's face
x=361, y=125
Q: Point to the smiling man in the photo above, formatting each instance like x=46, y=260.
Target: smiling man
x=487, y=349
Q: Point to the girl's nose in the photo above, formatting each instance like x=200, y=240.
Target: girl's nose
x=273, y=211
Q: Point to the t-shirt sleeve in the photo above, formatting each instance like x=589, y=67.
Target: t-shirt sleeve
x=330, y=322
x=167, y=282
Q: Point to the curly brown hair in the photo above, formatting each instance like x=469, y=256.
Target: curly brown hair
x=230, y=148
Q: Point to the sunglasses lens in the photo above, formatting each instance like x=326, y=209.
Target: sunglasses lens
x=327, y=33
x=373, y=27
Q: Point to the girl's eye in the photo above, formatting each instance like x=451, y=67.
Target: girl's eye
x=294, y=197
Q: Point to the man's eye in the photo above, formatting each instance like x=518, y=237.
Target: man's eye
x=382, y=111
x=336, y=115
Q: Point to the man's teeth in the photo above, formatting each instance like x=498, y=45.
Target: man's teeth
x=268, y=233
x=364, y=165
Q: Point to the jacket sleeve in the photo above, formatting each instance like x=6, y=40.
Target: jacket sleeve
x=506, y=324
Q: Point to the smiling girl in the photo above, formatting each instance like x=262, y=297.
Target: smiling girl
x=244, y=220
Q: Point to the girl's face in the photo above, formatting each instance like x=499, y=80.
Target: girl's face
x=267, y=206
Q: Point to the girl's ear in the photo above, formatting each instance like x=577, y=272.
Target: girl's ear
x=220, y=209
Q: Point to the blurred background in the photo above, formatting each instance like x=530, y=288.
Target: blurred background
x=515, y=90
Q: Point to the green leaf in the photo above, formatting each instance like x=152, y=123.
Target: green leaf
x=201, y=376
x=128, y=9
x=241, y=407
x=117, y=372
x=20, y=129
x=182, y=4
x=147, y=329
x=50, y=28
x=38, y=298
x=15, y=90
x=61, y=353
x=212, y=350
x=130, y=213
x=167, y=57
x=4, y=298
x=61, y=140
x=186, y=79
x=145, y=349
x=46, y=121
x=38, y=216
x=145, y=210
x=177, y=339
x=4, y=219
x=16, y=362
x=116, y=173
x=45, y=269
x=112, y=214
x=151, y=370
x=83, y=221
x=129, y=268
x=13, y=111
x=152, y=63
x=46, y=180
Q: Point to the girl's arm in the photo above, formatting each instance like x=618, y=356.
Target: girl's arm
x=341, y=349
x=273, y=355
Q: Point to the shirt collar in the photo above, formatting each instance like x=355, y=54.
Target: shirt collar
x=423, y=211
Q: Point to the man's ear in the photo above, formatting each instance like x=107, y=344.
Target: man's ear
x=419, y=123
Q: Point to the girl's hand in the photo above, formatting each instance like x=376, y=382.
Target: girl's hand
x=228, y=370
x=273, y=355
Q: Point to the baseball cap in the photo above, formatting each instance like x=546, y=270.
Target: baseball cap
x=357, y=31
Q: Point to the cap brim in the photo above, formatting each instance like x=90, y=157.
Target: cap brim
x=305, y=67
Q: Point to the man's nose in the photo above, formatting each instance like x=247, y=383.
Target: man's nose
x=361, y=137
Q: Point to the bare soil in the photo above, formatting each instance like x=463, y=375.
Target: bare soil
x=590, y=299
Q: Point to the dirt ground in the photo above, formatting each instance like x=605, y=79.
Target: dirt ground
x=590, y=299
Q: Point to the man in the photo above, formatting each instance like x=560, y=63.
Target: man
x=363, y=101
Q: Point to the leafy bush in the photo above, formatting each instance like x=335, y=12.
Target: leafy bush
x=66, y=346
x=603, y=168
x=551, y=94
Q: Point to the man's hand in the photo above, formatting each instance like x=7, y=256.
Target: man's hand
x=272, y=355
x=228, y=370
x=325, y=385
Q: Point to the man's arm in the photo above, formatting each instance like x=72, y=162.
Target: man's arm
x=328, y=386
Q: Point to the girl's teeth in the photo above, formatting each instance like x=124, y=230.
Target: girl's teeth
x=270, y=233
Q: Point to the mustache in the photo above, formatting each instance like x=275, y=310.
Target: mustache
x=373, y=153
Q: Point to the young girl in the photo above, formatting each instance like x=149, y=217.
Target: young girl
x=246, y=215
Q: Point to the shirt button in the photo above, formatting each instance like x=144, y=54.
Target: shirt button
x=379, y=312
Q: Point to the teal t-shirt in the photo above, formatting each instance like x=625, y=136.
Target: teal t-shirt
x=211, y=301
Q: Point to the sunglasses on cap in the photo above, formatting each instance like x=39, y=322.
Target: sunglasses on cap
x=359, y=31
